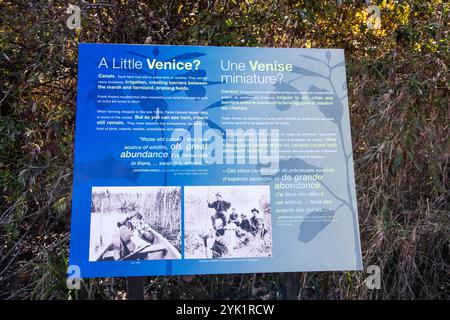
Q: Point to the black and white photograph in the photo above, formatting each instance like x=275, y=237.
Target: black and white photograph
x=135, y=223
x=227, y=222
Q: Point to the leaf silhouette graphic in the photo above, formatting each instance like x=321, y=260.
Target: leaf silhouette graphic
x=187, y=56
x=317, y=89
x=306, y=72
x=333, y=111
x=216, y=104
x=108, y=168
x=219, y=103
x=137, y=55
x=312, y=58
x=194, y=73
x=91, y=95
x=155, y=51
x=340, y=64
x=314, y=224
x=152, y=104
x=196, y=91
x=283, y=86
x=215, y=126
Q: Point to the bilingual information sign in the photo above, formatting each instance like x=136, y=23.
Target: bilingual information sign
x=208, y=160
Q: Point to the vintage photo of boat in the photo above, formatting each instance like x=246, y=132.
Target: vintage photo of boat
x=227, y=222
x=135, y=223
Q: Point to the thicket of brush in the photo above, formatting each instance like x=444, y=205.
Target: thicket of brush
x=398, y=93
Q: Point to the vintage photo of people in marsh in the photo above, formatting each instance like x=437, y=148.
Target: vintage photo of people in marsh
x=135, y=223
x=227, y=222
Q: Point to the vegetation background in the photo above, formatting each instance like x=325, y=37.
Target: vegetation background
x=398, y=92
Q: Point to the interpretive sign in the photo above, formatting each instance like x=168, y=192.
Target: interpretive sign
x=203, y=160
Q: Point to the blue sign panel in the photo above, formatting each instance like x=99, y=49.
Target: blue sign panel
x=205, y=160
